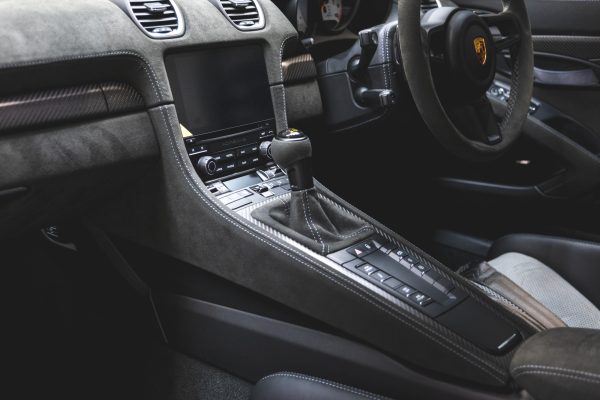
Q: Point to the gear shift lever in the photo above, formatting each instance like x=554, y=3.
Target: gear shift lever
x=292, y=152
x=307, y=216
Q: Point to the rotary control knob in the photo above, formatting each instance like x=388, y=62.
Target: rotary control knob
x=207, y=165
x=265, y=150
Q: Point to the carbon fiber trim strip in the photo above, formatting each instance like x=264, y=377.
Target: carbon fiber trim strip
x=299, y=68
x=66, y=104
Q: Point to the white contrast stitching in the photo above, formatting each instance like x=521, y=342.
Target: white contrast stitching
x=558, y=374
x=387, y=67
x=307, y=208
x=358, y=232
x=345, y=388
x=551, y=368
x=285, y=117
x=140, y=60
x=310, y=227
x=281, y=55
x=386, y=72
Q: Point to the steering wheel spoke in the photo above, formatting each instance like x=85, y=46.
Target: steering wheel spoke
x=505, y=28
x=506, y=42
x=504, y=21
x=477, y=121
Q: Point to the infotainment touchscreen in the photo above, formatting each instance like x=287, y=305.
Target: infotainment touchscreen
x=222, y=88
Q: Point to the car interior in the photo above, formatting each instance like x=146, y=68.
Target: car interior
x=301, y=199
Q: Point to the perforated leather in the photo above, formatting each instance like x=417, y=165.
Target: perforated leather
x=549, y=288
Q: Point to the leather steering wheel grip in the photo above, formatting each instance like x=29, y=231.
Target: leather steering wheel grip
x=418, y=74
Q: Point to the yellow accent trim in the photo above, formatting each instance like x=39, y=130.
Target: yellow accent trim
x=185, y=132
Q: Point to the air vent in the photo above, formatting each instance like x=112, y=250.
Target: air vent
x=246, y=15
x=159, y=19
x=427, y=5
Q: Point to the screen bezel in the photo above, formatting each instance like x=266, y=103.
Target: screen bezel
x=182, y=105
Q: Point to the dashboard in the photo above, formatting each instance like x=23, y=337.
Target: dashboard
x=133, y=57
x=315, y=18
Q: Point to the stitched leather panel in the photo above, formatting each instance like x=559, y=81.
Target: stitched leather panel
x=317, y=224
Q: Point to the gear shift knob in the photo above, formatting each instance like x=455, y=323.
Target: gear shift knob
x=292, y=152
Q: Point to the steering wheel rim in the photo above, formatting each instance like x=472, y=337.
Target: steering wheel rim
x=414, y=49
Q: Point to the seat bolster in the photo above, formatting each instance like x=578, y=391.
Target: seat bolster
x=511, y=296
x=293, y=386
x=549, y=289
x=577, y=261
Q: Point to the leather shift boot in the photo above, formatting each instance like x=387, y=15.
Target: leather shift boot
x=314, y=221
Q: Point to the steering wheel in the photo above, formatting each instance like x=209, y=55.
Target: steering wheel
x=449, y=58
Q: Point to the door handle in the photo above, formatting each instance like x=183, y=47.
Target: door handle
x=576, y=77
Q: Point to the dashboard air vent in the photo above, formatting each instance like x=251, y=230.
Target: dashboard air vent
x=427, y=5
x=159, y=19
x=246, y=15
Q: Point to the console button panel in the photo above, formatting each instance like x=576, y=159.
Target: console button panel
x=274, y=183
x=401, y=274
x=232, y=150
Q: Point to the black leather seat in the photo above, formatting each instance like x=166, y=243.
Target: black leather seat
x=292, y=386
x=552, y=282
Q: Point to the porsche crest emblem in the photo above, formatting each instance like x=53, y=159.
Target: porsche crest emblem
x=480, y=47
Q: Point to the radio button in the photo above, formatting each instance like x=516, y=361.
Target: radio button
x=247, y=151
x=198, y=149
x=244, y=163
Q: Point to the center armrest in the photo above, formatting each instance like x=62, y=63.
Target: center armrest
x=559, y=363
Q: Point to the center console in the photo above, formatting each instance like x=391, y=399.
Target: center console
x=225, y=108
